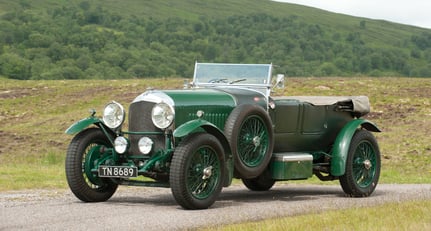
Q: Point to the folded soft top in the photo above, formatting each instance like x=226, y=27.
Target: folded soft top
x=360, y=105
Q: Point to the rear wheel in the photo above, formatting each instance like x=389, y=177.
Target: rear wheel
x=197, y=171
x=362, y=166
x=83, y=152
x=250, y=134
x=263, y=182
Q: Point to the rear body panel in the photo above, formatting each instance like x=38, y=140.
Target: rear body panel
x=301, y=126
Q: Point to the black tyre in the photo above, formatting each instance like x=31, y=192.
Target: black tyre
x=250, y=134
x=197, y=171
x=362, y=166
x=83, y=152
x=263, y=182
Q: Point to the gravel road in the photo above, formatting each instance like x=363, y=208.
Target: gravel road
x=135, y=208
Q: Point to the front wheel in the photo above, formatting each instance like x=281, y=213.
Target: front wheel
x=197, y=171
x=362, y=166
x=84, y=151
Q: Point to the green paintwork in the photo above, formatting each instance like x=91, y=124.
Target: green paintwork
x=291, y=166
x=215, y=104
x=189, y=127
x=342, y=144
x=91, y=159
x=161, y=157
x=199, y=97
x=82, y=124
x=303, y=127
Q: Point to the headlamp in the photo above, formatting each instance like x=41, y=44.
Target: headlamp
x=114, y=115
x=120, y=144
x=145, y=145
x=162, y=115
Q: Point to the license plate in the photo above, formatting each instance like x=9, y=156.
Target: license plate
x=118, y=171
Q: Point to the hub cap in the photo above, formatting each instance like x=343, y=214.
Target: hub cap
x=367, y=164
x=208, y=171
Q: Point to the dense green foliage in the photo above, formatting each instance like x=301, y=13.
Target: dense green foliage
x=98, y=39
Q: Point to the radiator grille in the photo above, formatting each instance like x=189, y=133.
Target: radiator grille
x=140, y=121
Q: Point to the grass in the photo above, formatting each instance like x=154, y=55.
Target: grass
x=35, y=114
x=414, y=215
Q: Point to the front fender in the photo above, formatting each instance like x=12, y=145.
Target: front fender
x=193, y=125
x=82, y=124
x=190, y=127
x=342, y=144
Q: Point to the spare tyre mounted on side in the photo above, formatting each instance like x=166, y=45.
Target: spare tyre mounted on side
x=250, y=134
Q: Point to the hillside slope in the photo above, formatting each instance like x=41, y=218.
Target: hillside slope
x=35, y=114
x=52, y=39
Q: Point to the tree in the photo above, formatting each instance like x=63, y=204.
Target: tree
x=14, y=66
x=137, y=70
x=39, y=40
x=328, y=69
x=364, y=64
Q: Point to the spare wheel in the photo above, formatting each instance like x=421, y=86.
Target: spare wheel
x=250, y=134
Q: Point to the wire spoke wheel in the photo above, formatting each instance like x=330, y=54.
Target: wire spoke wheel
x=362, y=165
x=197, y=171
x=252, y=141
x=250, y=134
x=203, y=172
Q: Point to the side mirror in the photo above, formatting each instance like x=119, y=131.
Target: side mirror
x=188, y=84
x=279, y=81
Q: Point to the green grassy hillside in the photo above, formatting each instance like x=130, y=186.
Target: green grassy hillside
x=59, y=39
x=380, y=31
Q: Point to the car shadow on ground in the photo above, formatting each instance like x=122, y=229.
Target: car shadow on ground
x=238, y=194
x=282, y=193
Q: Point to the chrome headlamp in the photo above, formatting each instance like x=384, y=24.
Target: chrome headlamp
x=121, y=144
x=145, y=145
x=114, y=115
x=162, y=115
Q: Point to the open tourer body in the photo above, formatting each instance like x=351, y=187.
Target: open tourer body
x=225, y=125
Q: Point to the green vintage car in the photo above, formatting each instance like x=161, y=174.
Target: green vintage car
x=224, y=125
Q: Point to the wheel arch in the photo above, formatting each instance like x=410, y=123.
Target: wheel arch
x=342, y=144
x=83, y=124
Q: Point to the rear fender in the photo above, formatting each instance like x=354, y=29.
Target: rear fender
x=342, y=144
x=194, y=125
